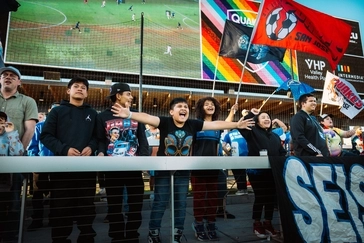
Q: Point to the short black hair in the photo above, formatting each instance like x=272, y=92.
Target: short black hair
x=176, y=101
x=303, y=98
x=78, y=80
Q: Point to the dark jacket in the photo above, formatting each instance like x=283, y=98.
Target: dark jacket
x=131, y=132
x=69, y=126
x=259, y=138
x=307, y=136
x=36, y=148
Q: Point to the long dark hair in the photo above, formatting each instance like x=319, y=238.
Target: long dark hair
x=200, y=112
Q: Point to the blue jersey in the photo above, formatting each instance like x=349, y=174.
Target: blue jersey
x=237, y=143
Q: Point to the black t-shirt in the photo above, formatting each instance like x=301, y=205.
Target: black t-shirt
x=176, y=141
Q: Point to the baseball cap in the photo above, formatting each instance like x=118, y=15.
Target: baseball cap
x=118, y=88
x=323, y=116
x=11, y=69
x=3, y=115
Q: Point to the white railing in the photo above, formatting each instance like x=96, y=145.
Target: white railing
x=77, y=164
x=24, y=164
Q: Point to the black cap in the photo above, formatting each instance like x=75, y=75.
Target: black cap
x=3, y=115
x=323, y=116
x=118, y=88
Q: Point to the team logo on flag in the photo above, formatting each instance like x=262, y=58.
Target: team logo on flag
x=280, y=24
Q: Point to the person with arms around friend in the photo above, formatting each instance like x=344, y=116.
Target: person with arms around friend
x=262, y=142
x=308, y=137
x=69, y=130
x=22, y=111
x=133, y=142
x=176, y=136
x=334, y=136
x=10, y=146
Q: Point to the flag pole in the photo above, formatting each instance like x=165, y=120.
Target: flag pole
x=292, y=77
x=249, y=45
x=265, y=101
x=216, y=64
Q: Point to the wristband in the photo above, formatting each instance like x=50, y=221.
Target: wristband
x=130, y=113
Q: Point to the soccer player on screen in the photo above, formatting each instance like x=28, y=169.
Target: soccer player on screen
x=77, y=26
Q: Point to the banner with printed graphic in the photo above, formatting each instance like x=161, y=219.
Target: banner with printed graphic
x=338, y=91
x=235, y=43
x=320, y=198
x=291, y=25
x=214, y=13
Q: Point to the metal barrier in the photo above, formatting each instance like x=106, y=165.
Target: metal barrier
x=90, y=164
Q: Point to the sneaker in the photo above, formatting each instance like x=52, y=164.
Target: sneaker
x=153, y=236
x=211, y=232
x=259, y=230
x=222, y=213
x=269, y=230
x=178, y=233
x=241, y=192
x=200, y=231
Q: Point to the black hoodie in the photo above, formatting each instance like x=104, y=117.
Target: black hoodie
x=259, y=138
x=68, y=126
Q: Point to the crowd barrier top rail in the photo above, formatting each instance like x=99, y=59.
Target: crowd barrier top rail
x=25, y=164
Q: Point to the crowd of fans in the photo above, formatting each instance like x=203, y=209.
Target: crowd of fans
x=73, y=128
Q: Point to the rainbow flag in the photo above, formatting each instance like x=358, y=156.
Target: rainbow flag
x=214, y=13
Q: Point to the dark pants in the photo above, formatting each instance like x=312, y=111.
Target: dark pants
x=222, y=186
x=9, y=217
x=240, y=178
x=43, y=185
x=204, y=197
x=264, y=188
x=73, y=200
x=134, y=184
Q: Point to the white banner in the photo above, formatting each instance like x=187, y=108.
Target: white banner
x=329, y=95
x=338, y=91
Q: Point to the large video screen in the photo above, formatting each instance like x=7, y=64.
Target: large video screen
x=108, y=37
x=179, y=38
